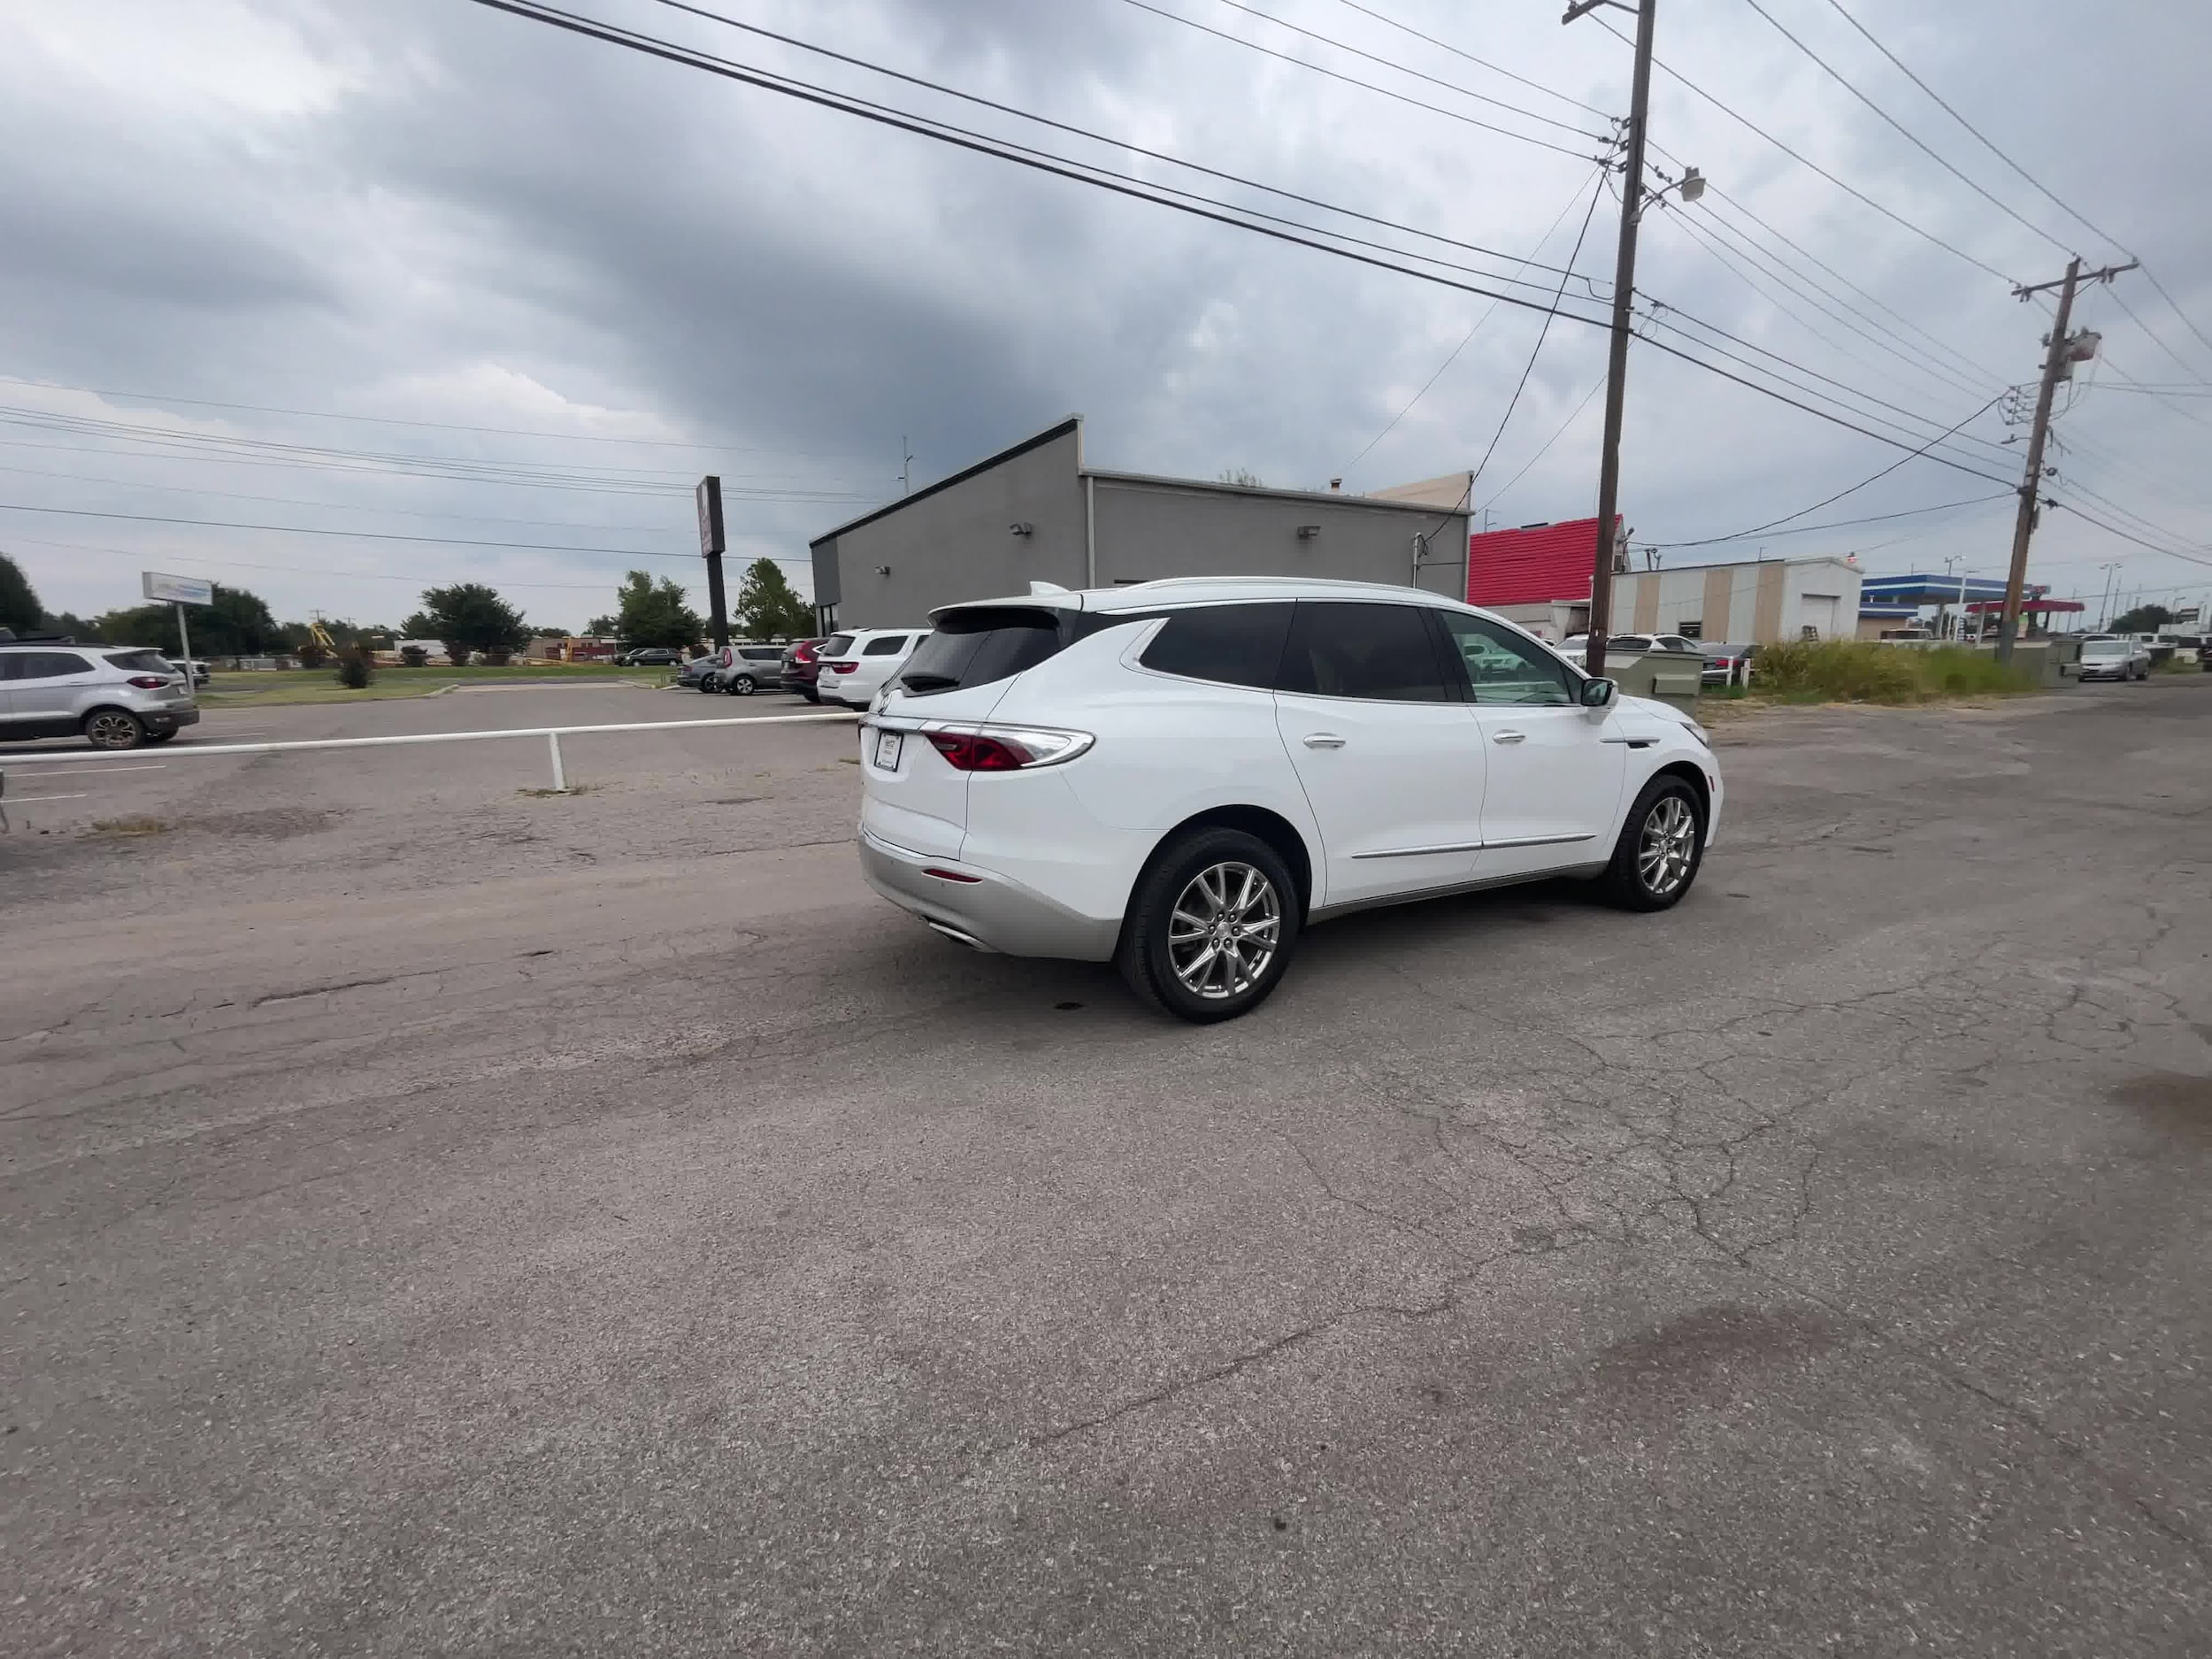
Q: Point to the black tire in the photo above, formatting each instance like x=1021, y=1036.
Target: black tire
x=114, y=729
x=742, y=686
x=706, y=683
x=809, y=693
x=1146, y=955
x=1637, y=881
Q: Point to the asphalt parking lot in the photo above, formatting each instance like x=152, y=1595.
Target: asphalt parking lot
x=440, y=1217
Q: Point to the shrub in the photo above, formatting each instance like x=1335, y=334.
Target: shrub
x=356, y=668
x=498, y=658
x=311, y=655
x=1861, y=671
x=414, y=655
x=457, y=653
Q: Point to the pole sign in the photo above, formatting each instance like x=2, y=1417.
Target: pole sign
x=178, y=590
x=708, y=496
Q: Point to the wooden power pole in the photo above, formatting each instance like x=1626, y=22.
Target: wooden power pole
x=1623, y=297
x=2064, y=352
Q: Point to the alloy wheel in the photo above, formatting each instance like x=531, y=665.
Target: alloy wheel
x=1223, y=931
x=1669, y=845
x=111, y=729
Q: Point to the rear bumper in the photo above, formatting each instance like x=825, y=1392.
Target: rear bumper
x=990, y=912
x=169, y=719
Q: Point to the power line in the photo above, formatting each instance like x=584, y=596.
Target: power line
x=1986, y=142
x=435, y=425
x=2174, y=305
x=1040, y=161
x=1714, y=193
x=1804, y=161
x=1353, y=81
x=355, y=535
x=1835, y=524
x=1689, y=229
x=1542, y=335
x=1758, y=529
x=1096, y=137
x=2148, y=526
x=182, y=443
x=1662, y=321
x=1914, y=138
x=2196, y=379
x=300, y=570
x=1391, y=425
x=2171, y=553
x=1499, y=69
x=345, y=506
x=1406, y=69
x=1545, y=449
x=1091, y=174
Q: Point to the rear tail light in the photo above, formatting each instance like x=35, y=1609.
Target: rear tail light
x=1008, y=749
x=147, y=682
x=841, y=668
x=950, y=875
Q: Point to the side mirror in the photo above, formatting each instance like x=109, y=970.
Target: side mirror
x=1598, y=694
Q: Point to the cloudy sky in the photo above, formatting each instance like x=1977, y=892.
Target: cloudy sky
x=423, y=269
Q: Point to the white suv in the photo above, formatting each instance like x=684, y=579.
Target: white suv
x=1181, y=776
x=857, y=664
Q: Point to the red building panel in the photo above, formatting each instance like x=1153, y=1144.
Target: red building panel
x=1532, y=566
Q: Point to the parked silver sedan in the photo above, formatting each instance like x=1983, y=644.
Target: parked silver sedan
x=2119, y=658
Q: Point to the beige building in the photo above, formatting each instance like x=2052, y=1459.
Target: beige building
x=1762, y=602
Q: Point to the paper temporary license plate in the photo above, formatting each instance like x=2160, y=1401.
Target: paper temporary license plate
x=887, y=747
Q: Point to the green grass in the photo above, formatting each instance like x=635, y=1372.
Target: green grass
x=244, y=689
x=1861, y=671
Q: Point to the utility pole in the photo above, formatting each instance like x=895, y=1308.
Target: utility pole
x=1623, y=297
x=2104, y=611
x=906, y=465
x=2064, y=352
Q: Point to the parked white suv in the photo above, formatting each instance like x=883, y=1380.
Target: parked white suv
x=857, y=664
x=1181, y=776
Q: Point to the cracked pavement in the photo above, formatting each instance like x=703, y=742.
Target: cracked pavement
x=440, y=1220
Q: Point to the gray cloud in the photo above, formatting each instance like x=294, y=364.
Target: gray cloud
x=428, y=210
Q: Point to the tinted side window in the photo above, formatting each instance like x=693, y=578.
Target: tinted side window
x=1382, y=652
x=50, y=666
x=140, y=662
x=1232, y=645
x=890, y=645
x=837, y=645
x=976, y=647
x=1503, y=667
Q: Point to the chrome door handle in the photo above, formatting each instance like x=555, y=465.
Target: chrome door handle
x=1324, y=739
x=1508, y=737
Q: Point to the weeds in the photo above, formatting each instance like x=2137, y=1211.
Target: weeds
x=1860, y=671
x=139, y=825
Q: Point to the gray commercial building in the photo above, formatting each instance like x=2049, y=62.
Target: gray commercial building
x=1035, y=512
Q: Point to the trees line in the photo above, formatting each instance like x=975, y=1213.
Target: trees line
x=466, y=617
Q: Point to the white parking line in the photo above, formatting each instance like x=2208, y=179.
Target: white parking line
x=60, y=771
x=25, y=800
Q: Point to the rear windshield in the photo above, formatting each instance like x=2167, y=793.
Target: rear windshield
x=140, y=662
x=837, y=645
x=2104, y=647
x=974, y=647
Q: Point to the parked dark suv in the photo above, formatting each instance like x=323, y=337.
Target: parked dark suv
x=801, y=667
